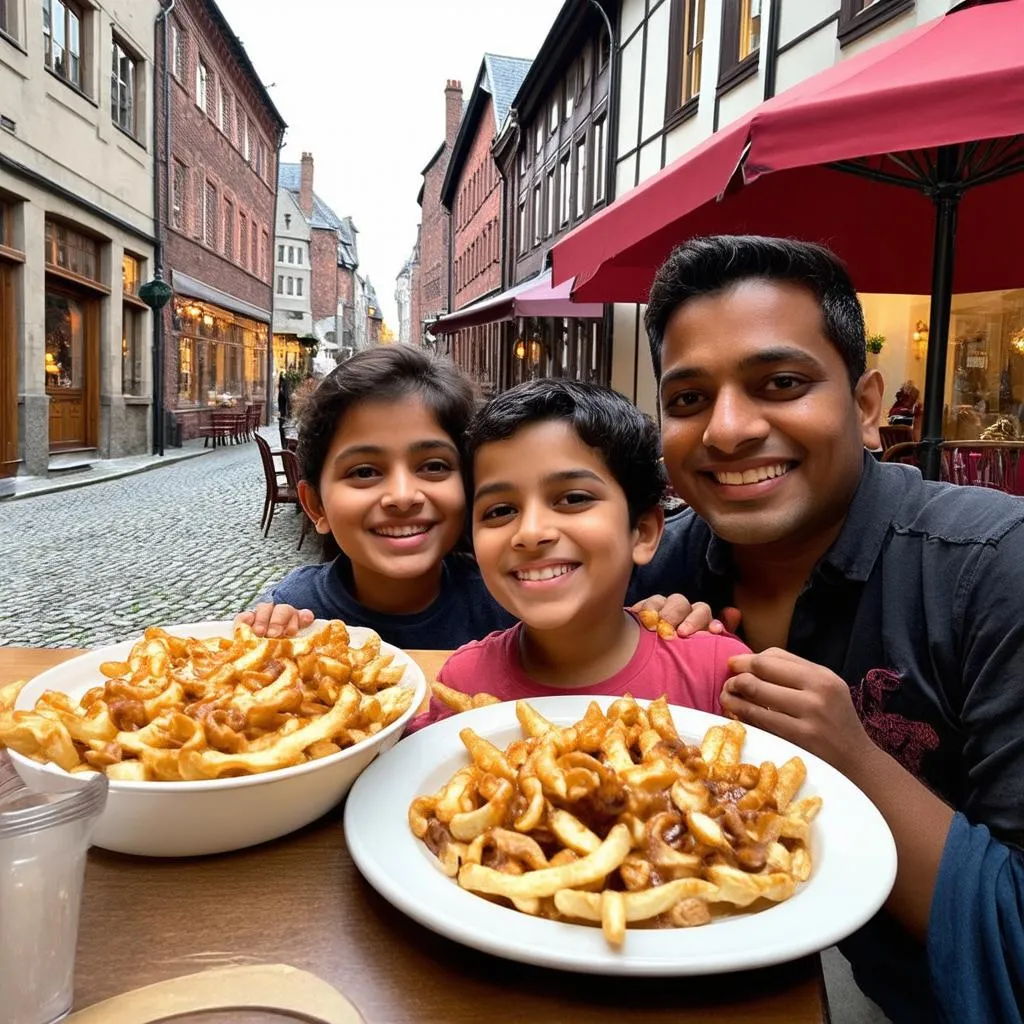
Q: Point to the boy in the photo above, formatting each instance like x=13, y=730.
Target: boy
x=565, y=482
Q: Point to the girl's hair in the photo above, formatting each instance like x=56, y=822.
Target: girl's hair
x=384, y=374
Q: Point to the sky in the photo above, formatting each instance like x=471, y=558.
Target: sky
x=361, y=85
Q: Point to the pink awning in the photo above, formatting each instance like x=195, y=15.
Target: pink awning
x=536, y=297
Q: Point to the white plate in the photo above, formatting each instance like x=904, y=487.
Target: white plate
x=182, y=819
x=853, y=853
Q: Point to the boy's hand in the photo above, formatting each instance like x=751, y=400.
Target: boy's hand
x=688, y=618
x=799, y=701
x=276, y=620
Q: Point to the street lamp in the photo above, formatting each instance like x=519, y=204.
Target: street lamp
x=156, y=294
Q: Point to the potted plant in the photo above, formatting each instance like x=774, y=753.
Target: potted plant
x=875, y=343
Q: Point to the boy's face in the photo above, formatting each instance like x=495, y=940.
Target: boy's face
x=551, y=528
x=390, y=491
x=761, y=433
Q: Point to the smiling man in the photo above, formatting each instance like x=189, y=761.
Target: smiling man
x=884, y=610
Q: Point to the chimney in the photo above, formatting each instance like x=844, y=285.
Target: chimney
x=452, y=110
x=306, y=185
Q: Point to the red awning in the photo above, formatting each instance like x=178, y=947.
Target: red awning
x=955, y=79
x=535, y=297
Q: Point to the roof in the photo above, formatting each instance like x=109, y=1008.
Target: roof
x=497, y=82
x=239, y=53
x=289, y=178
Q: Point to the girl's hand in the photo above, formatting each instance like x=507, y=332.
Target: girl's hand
x=276, y=620
x=688, y=618
x=799, y=701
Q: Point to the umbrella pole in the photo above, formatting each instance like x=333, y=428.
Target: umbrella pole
x=947, y=200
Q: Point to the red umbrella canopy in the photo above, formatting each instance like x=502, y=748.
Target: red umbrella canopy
x=847, y=158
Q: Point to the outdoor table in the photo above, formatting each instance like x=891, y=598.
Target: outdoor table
x=300, y=901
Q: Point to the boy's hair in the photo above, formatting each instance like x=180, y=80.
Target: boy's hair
x=704, y=266
x=606, y=421
x=384, y=374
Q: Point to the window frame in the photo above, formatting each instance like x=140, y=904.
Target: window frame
x=681, y=99
x=732, y=68
x=179, y=50
x=117, y=44
x=179, y=191
x=81, y=13
x=564, y=190
x=580, y=191
x=211, y=209
x=856, y=21
x=203, y=79
x=228, y=241
x=599, y=191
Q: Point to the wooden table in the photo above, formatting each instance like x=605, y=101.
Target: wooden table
x=300, y=901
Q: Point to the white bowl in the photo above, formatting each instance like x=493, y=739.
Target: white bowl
x=185, y=819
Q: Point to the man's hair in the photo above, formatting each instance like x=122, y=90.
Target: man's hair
x=704, y=266
x=627, y=439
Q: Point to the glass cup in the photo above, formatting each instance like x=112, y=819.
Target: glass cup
x=43, y=842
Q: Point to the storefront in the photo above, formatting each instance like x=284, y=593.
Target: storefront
x=985, y=356
x=221, y=356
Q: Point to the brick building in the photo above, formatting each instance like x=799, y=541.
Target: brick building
x=471, y=193
x=217, y=200
x=333, y=257
x=429, y=283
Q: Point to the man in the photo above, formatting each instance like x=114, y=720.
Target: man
x=885, y=610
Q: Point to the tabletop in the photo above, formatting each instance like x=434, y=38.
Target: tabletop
x=299, y=900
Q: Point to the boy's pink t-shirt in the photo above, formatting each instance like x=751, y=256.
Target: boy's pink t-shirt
x=689, y=671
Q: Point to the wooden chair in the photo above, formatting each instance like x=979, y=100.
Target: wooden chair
x=998, y=465
x=895, y=433
x=220, y=428
x=294, y=475
x=280, y=490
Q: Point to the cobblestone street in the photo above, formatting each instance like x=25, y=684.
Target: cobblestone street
x=97, y=564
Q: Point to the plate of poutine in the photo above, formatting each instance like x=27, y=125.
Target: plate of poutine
x=213, y=739
x=613, y=836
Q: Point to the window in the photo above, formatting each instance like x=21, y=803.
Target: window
x=581, y=177
x=6, y=20
x=280, y=284
x=178, y=44
x=604, y=51
x=210, y=215
x=521, y=227
x=687, y=31
x=202, y=82
x=549, y=203
x=224, y=112
x=571, y=86
x=229, y=229
x=131, y=350
x=258, y=164
x=563, y=191
x=538, y=138
x=70, y=250
x=298, y=286
x=254, y=263
x=178, y=195
x=123, y=78
x=538, y=223
x=280, y=254
x=291, y=253
x=584, y=66
x=264, y=255
x=131, y=274
x=553, y=113
x=298, y=253
x=291, y=285
x=600, y=158
x=242, y=136
x=523, y=162
x=858, y=17
x=243, y=239
x=62, y=40
x=741, y=38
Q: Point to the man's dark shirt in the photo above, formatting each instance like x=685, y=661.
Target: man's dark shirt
x=919, y=606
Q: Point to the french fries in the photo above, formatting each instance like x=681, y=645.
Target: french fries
x=618, y=821
x=184, y=709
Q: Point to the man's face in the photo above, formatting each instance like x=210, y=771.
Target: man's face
x=760, y=431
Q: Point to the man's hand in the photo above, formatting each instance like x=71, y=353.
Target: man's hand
x=799, y=701
x=276, y=620
x=688, y=618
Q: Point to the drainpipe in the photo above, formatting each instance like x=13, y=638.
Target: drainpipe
x=612, y=124
x=772, y=64
x=160, y=219
x=269, y=384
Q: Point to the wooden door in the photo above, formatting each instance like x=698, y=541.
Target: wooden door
x=72, y=369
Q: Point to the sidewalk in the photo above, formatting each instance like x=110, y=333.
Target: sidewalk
x=13, y=488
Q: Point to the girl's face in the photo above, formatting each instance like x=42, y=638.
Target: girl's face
x=392, y=495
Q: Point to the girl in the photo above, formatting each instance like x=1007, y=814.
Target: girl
x=380, y=452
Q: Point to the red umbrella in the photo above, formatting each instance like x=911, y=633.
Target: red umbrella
x=875, y=157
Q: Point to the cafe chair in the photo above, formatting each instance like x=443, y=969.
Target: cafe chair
x=294, y=474
x=280, y=488
x=998, y=465
x=219, y=428
x=892, y=434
